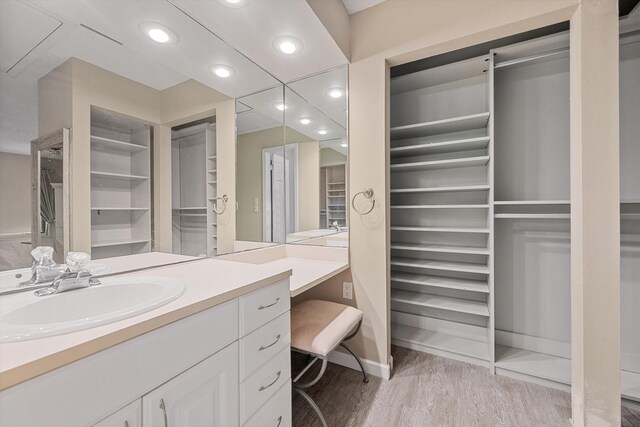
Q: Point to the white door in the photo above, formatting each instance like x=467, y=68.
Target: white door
x=277, y=199
x=205, y=395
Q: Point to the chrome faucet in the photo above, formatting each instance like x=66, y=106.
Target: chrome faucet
x=44, y=269
x=76, y=276
x=336, y=226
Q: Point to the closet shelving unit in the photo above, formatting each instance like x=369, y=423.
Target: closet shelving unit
x=480, y=255
x=335, y=195
x=120, y=184
x=193, y=171
x=440, y=228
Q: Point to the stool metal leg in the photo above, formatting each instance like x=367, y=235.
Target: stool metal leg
x=364, y=373
x=312, y=404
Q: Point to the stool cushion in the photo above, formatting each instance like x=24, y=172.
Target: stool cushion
x=317, y=327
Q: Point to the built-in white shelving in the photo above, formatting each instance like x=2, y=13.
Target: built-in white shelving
x=120, y=172
x=440, y=282
x=333, y=195
x=480, y=211
x=441, y=211
x=436, y=127
x=451, y=266
x=194, y=181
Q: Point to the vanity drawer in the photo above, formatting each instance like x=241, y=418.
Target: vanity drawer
x=264, y=344
x=263, y=305
x=256, y=390
x=276, y=412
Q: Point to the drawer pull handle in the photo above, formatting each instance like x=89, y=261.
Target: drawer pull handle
x=279, y=421
x=264, y=387
x=262, y=307
x=270, y=345
x=164, y=412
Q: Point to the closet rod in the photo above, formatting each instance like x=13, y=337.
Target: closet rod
x=543, y=55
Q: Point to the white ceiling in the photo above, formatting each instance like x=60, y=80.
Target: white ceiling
x=355, y=6
x=38, y=35
x=252, y=28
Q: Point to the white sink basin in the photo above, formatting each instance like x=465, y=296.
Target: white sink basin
x=11, y=278
x=25, y=316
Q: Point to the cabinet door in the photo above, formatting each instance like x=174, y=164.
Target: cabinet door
x=129, y=416
x=204, y=395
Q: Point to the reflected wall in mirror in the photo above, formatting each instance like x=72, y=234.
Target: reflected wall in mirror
x=317, y=148
x=151, y=130
x=262, y=179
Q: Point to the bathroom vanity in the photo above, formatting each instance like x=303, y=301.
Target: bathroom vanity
x=217, y=355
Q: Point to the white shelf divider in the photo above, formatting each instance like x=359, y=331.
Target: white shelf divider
x=427, y=264
x=462, y=162
x=450, y=125
x=442, y=303
x=443, y=189
x=420, y=247
x=438, y=147
x=114, y=144
x=440, y=282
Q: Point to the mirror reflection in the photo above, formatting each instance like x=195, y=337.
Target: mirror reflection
x=144, y=120
x=317, y=145
x=263, y=179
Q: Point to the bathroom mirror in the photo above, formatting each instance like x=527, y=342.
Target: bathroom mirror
x=317, y=152
x=263, y=180
x=150, y=166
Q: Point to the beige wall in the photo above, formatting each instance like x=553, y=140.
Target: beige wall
x=335, y=18
x=65, y=97
x=249, y=179
x=308, y=184
x=331, y=157
x=15, y=193
x=392, y=33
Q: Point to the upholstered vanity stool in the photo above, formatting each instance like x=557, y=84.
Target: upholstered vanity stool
x=318, y=328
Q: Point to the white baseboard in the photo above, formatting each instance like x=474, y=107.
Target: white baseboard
x=376, y=369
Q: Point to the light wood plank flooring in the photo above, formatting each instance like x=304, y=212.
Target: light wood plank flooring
x=427, y=390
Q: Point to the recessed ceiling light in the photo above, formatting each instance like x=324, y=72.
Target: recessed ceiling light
x=234, y=3
x=344, y=145
x=323, y=131
x=305, y=120
x=287, y=44
x=335, y=92
x=281, y=106
x=158, y=33
x=222, y=71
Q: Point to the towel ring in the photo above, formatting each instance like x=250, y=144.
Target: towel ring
x=224, y=199
x=368, y=194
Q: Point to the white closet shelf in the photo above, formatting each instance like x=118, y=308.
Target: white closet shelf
x=211, y=157
x=212, y=182
x=202, y=215
x=476, y=206
x=440, y=282
x=545, y=366
x=336, y=183
x=212, y=171
x=441, y=147
x=442, y=303
x=455, y=124
x=119, y=242
x=122, y=176
x=418, y=247
x=191, y=208
x=117, y=145
x=335, y=191
x=439, y=341
x=442, y=229
x=462, y=162
x=122, y=208
x=532, y=216
x=630, y=216
x=532, y=202
x=482, y=187
x=428, y=264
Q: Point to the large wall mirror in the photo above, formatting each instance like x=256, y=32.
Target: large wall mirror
x=316, y=149
x=114, y=142
x=130, y=131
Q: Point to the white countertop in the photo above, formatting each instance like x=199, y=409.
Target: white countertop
x=208, y=282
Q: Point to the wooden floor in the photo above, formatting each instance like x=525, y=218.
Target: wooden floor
x=427, y=390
